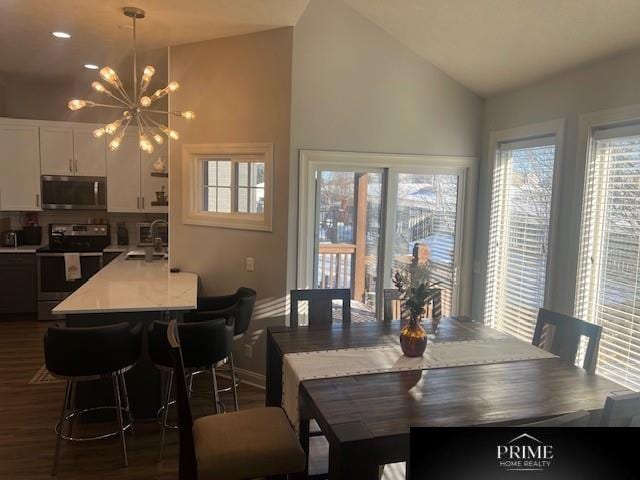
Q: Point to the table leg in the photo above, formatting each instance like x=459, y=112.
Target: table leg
x=273, y=383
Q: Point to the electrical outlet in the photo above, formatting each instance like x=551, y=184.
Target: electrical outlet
x=250, y=264
x=248, y=351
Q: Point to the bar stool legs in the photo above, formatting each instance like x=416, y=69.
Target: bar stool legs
x=234, y=385
x=127, y=407
x=165, y=413
x=214, y=387
x=56, y=454
x=116, y=388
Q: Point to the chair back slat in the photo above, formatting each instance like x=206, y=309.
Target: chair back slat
x=561, y=335
x=392, y=310
x=320, y=306
x=188, y=467
x=621, y=409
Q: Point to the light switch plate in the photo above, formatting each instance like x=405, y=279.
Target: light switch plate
x=250, y=264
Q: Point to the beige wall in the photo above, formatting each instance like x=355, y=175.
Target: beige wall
x=355, y=88
x=240, y=89
x=608, y=84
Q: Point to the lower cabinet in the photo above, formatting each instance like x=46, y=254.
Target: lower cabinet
x=18, y=283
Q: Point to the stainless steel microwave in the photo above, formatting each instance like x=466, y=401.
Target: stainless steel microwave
x=74, y=193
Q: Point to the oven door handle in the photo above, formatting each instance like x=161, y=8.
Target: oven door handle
x=82, y=254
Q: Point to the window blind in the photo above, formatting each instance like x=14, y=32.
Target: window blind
x=608, y=282
x=519, y=234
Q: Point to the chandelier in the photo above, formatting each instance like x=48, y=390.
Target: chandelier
x=136, y=108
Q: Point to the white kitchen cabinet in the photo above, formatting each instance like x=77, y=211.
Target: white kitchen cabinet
x=130, y=186
x=123, y=176
x=19, y=168
x=149, y=184
x=56, y=150
x=89, y=153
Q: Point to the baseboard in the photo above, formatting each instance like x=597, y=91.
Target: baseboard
x=250, y=378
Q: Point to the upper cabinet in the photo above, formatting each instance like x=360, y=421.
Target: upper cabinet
x=123, y=176
x=72, y=150
x=19, y=167
x=56, y=150
x=130, y=185
x=89, y=153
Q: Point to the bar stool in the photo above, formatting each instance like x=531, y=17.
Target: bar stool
x=237, y=306
x=91, y=353
x=206, y=345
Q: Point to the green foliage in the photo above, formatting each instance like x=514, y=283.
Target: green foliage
x=415, y=287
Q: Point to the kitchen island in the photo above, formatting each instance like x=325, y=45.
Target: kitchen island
x=132, y=291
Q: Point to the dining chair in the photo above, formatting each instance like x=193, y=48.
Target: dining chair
x=320, y=306
x=561, y=335
x=257, y=442
x=576, y=419
x=392, y=310
x=621, y=409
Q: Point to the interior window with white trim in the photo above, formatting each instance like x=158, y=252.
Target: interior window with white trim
x=519, y=234
x=234, y=184
x=228, y=185
x=608, y=283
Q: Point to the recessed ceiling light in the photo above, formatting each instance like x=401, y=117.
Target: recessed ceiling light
x=91, y=66
x=61, y=34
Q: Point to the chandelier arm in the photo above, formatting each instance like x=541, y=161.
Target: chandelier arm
x=121, y=100
x=164, y=112
x=106, y=105
x=158, y=124
x=144, y=121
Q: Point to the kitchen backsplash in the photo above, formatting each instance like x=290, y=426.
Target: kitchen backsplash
x=16, y=220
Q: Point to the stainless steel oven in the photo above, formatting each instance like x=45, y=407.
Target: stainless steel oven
x=78, y=193
x=53, y=286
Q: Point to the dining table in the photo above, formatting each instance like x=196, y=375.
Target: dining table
x=366, y=418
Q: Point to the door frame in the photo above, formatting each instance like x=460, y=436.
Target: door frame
x=391, y=164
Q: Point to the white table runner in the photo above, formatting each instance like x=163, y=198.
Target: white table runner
x=360, y=361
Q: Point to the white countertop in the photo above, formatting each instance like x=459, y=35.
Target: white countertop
x=20, y=249
x=133, y=286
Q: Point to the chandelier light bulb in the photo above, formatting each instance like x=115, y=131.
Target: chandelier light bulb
x=115, y=144
x=98, y=87
x=99, y=132
x=148, y=72
x=173, y=86
x=188, y=115
x=145, y=144
x=158, y=138
x=77, y=104
x=145, y=101
x=110, y=76
x=172, y=134
x=111, y=128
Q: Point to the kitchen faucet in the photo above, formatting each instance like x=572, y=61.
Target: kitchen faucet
x=156, y=241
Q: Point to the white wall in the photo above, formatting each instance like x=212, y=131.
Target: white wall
x=607, y=84
x=355, y=88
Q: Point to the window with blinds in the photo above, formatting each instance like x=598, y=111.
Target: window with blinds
x=519, y=234
x=608, y=283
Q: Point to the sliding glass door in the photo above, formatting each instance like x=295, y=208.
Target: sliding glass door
x=426, y=219
x=363, y=220
x=347, y=232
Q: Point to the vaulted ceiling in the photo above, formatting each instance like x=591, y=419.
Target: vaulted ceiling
x=490, y=46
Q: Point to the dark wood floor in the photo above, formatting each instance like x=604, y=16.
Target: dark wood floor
x=28, y=414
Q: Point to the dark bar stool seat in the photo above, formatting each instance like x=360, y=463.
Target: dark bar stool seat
x=91, y=353
x=206, y=345
x=237, y=307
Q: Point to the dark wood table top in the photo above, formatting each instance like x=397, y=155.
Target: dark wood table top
x=382, y=406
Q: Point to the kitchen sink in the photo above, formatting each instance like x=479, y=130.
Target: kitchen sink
x=140, y=255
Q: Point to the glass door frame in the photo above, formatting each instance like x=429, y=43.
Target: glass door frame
x=311, y=161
